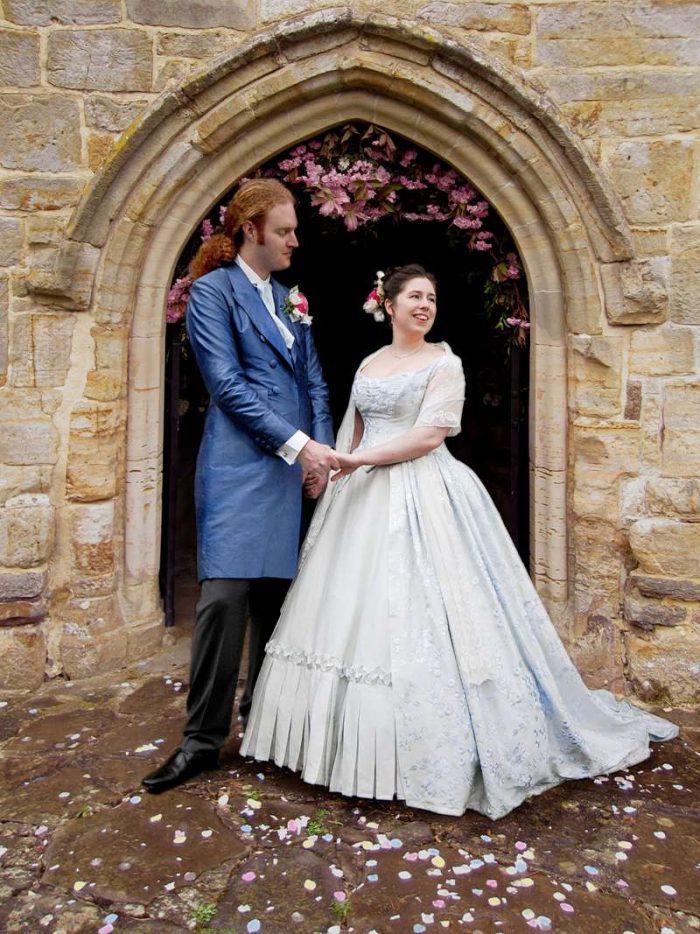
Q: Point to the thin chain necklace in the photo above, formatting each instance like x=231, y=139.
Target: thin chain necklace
x=401, y=356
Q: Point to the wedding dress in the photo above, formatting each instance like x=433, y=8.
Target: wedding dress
x=413, y=657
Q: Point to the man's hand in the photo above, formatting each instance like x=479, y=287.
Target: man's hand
x=314, y=485
x=317, y=459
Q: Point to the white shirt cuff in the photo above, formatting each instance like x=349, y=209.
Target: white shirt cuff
x=291, y=449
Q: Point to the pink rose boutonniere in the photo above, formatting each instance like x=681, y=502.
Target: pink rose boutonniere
x=296, y=305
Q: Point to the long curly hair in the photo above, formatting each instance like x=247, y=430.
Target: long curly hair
x=251, y=202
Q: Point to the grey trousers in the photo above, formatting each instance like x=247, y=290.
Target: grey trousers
x=222, y=610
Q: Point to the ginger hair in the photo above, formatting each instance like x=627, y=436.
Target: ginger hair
x=251, y=202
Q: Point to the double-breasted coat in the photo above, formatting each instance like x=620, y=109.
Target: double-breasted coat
x=248, y=499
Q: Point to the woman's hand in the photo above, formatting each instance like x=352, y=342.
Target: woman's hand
x=348, y=464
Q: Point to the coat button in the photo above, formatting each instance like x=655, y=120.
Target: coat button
x=273, y=363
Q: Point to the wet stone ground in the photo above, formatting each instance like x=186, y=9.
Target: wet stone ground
x=251, y=848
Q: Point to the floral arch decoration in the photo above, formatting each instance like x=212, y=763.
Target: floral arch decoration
x=358, y=175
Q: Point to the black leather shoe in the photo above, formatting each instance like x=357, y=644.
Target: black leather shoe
x=179, y=768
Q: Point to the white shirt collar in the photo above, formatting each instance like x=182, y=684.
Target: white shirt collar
x=251, y=274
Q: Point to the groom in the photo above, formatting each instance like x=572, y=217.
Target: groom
x=267, y=433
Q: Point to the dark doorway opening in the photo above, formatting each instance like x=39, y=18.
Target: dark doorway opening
x=336, y=269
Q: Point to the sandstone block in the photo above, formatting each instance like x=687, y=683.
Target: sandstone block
x=633, y=400
x=620, y=49
x=666, y=547
x=196, y=14
x=28, y=441
x=681, y=436
x=106, y=382
x=40, y=193
x=39, y=133
x=600, y=552
x=609, y=20
x=41, y=349
x=99, y=147
x=95, y=438
x=19, y=58
x=635, y=292
x=491, y=17
x=602, y=457
x=92, y=547
x=648, y=615
x=665, y=667
x=666, y=497
x=22, y=612
x=597, y=652
x=21, y=585
x=101, y=59
x=17, y=480
x=654, y=179
x=681, y=452
x=91, y=650
x=22, y=657
x=105, y=113
x=63, y=12
x=11, y=238
x=662, y=351
x=26, y=531
x=193, y=44
x=172, y=74
x=685, y=275
x=671, y=587
x=597, y=372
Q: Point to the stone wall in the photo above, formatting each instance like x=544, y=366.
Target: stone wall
x=78, y=81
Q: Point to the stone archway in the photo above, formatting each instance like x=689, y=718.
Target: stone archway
x=285, y=85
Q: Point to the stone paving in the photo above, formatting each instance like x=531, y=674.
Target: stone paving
x=251, y=848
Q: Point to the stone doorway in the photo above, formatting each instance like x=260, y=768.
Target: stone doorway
x=278, y=88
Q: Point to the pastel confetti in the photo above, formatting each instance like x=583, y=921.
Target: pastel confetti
x=309, y=885
x=339, y=896
x=659, y=834
x=79, y=886
x=494, y=900
x=565, y=906
x=668, y=890
x=155, y=818
x=207, y=833
x=404, y=874
x=438, y=861
x=249, y=876
x=253, y=926
x=591, y=870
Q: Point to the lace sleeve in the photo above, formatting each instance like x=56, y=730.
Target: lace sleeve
x=444, y=398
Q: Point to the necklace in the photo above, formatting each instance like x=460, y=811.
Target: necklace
x=400, y=356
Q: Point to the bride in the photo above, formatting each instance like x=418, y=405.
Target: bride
x=413, y=657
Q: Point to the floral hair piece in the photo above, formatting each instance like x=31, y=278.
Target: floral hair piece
x=374, y=303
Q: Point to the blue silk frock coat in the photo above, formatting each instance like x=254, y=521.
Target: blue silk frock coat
x=248, y=499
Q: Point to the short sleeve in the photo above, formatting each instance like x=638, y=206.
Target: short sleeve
x=444, y=398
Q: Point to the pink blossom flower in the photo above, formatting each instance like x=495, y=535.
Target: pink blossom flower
x=518, y=323
x=222, y=214
x=207, y=229
x=408, y=158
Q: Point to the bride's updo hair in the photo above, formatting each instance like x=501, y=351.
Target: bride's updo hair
x=396, y=277
x=251, y=202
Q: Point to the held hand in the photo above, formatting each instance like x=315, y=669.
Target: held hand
x=314, y=485
x=347, y=464
x=317, y=459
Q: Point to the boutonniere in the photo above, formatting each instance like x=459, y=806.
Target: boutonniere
x=296, y=305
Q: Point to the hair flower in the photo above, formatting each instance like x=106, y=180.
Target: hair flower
x=374, y=303
x=296, y=306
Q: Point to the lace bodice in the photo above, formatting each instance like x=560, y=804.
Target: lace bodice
x=389, y=405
